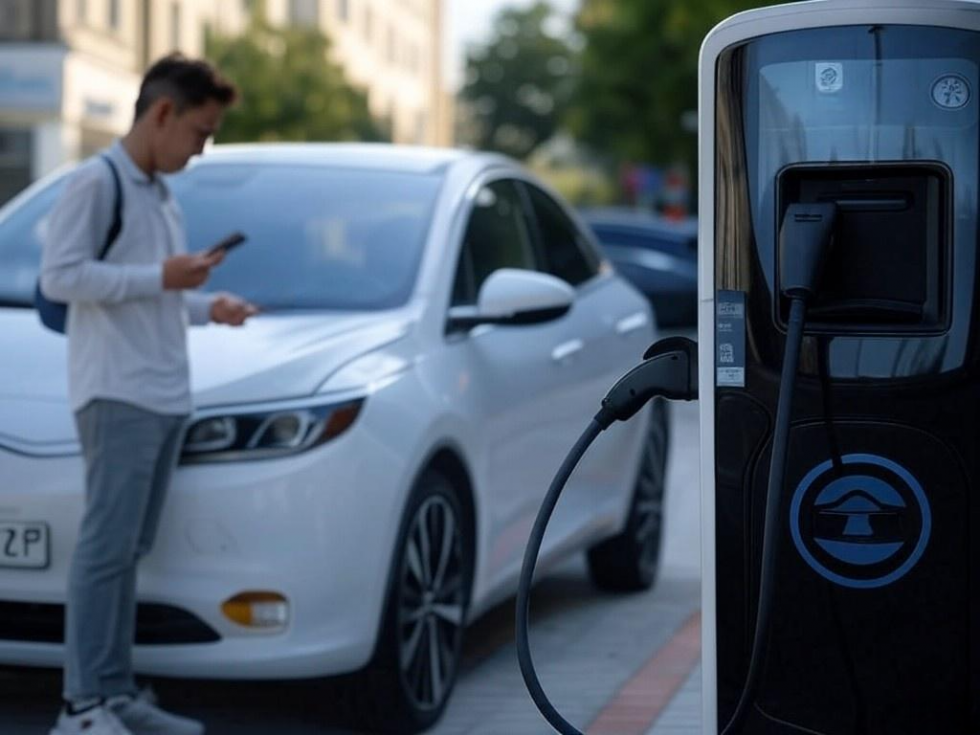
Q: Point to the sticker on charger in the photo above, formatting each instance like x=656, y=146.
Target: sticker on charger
x=829, y=77
x=730, y=339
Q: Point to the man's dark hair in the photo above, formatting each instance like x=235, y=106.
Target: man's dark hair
x=188, y=82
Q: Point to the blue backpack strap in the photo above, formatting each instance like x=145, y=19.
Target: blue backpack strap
x=116, y=226
x=54, y=314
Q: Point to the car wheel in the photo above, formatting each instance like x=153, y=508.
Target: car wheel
x=407, y=686
x=629, y=561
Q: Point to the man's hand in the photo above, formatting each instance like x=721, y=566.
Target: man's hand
x=231, y=310
x=189, y=271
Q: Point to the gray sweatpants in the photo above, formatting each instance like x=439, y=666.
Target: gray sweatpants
x=129, y=456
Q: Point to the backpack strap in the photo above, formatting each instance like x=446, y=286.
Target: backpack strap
x=116, y=226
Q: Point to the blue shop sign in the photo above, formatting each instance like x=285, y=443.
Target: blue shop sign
x=25, y=88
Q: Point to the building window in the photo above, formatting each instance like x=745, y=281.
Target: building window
x=81, y=10
x=392, y=46
x=15, y=161
x=304, y=12
x=114, y=14
x=343, y=10
x=368, y=23
x=10, y=18
x=175, y=25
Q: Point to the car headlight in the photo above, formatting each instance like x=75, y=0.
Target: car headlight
x=262, y=434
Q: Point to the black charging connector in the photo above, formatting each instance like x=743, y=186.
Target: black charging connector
x=804, y=246
x=668, y=370
x=805, y=241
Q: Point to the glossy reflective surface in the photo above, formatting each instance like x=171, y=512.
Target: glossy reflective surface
x=877, y=598
x=871, y=100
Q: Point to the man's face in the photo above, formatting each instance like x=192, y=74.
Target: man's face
x=180, y=135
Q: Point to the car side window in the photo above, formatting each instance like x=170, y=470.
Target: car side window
x=497, y=236
x=463, y=291
x=568, y=255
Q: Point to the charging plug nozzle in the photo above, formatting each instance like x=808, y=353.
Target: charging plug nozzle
x=805, y=239
x=669, y=370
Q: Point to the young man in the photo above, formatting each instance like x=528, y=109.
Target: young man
x=128, y=376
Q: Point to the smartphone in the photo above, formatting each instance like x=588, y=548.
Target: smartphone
x=229, y=243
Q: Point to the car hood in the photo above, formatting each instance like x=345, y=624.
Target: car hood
x=273, y=357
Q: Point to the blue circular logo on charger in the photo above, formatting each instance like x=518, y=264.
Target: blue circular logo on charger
x=865, y=525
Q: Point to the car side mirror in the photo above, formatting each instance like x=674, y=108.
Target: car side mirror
x=514, y=297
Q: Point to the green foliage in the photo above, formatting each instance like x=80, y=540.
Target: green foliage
x=639, y=75
x=289, y=88
x=582, y=186
x=519, y=84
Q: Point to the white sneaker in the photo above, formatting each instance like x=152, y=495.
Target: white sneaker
x=98, y=720
x=142, y=717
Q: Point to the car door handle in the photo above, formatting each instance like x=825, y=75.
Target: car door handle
x=566, y=350
x=628, y=325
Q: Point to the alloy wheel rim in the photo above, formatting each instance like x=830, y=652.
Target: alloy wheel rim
x=431, y=604
x=649, y=511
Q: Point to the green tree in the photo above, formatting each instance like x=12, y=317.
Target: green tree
x=290, y=90
x=518, y=85
x=639, y=75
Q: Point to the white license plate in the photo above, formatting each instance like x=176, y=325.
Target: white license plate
x=23, y=544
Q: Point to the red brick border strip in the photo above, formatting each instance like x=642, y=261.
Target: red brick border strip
x=642, y=699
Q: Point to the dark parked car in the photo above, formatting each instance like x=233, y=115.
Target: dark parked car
x=656, y=255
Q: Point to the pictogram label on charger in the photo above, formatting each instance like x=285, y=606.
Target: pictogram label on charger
x=829, y=77
x=730, y=339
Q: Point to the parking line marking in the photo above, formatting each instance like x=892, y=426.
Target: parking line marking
x=640, y=701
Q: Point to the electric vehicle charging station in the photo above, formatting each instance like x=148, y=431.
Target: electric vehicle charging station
x=868, y=108
x=837, y=370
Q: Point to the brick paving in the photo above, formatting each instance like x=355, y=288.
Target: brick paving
x=650, y=690
x=683, y=715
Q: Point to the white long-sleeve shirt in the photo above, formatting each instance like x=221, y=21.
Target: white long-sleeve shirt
x=127, y=336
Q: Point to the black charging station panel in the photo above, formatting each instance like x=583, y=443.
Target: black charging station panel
x=890, y=265
x=849, y=639
x=874, y=619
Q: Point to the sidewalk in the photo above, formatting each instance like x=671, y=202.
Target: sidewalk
x=611, y=666
x=600, y=665
x=683, y=714
x=650, y=691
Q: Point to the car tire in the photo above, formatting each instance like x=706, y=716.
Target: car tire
x=629, y=561
x=407, y=685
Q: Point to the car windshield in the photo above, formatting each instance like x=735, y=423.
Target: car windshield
x=318, y=238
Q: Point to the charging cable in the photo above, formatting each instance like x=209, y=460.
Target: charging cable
x=804, y=243
x=669, y=369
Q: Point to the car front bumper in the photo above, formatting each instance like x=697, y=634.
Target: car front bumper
x=317, y=528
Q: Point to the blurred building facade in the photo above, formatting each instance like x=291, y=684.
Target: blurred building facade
x=70, y=69
x=393, y=49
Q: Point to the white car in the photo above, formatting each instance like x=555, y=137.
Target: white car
x=368, y=455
